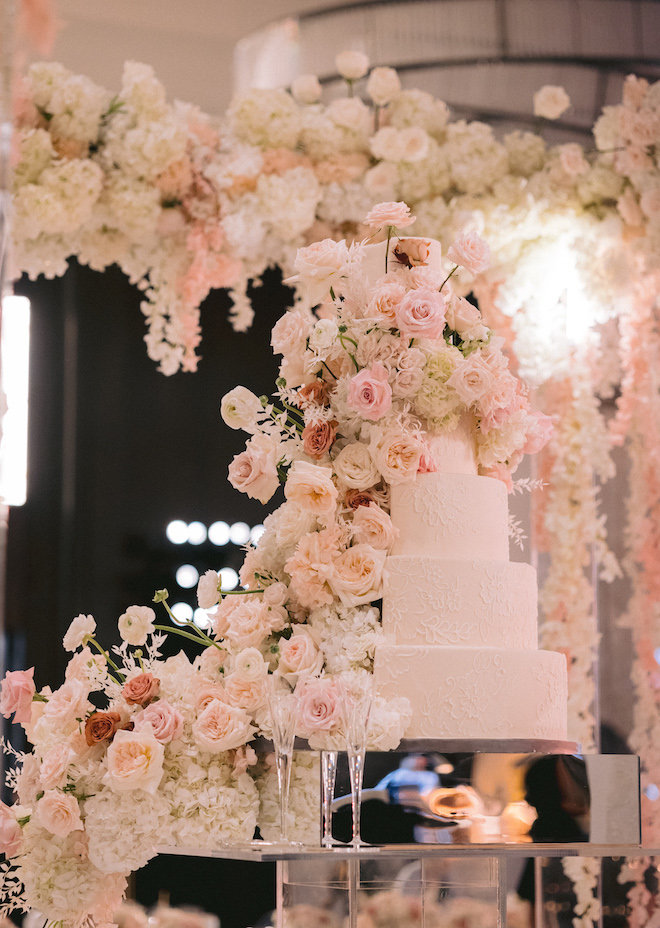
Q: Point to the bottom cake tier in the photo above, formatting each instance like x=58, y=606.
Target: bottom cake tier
x=476, y=692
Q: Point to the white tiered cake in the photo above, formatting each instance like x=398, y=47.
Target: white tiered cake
x=460, y=619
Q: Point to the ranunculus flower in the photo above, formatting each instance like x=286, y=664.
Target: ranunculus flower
x=136, y=624
x=17, y=691
x=382, y=85
x=250, y=662
x=369, y=393
x=389, y=214
x=80, y=628
x=310, y=487
x=352, y=65
x=551, y=101
x=135, y=761
x=140, y=690
x=357, y=576
x=165, y=720
x=101, y=726
x=239, y=409
x=53, y=767
x=421, y=314
x=299, y=654
x=319, y=707
x=10, y=832
x=355, y=467
x=372, y=526
x=208, y=589
x=318, y=438
x=220, y=727
x=254, y=471
x=471, y=252
x=59, y=813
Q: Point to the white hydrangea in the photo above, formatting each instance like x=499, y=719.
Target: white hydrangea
x=418, y=108
x=142, y=92
x=76, y=107
x=36, y=154
x=267, y=118
x=125, y=827
x=304, y=807
x=348, y=635
x=288, y=202
x=133, y=205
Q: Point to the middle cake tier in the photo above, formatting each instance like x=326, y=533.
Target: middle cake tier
x=456, y=516
x=437, y=601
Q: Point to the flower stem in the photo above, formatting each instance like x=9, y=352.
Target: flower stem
x=105, y=654
x=448, y=276
x=199, y=638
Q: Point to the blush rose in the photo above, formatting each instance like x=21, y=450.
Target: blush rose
x=369, y=393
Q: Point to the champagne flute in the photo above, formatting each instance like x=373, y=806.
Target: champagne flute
x=356, y=695
x=328, y=777
x=283, y=705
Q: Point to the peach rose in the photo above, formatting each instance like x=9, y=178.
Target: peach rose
x=245, y=692
x=372, y=526
x=463, y=317
x=471, y=252
x=207, y=692
x=312, y=565
x=11, y=834
x=357, y=577
x=319, y=706
x=252, y=621
x=101, y=726
x=16, y=696
x=396, y=215
x=254, y=471
x=220, y=727
x=318, y=438
x=67, y=704
x=135, y=761
x=59, y=813
x=165, y=720
x=421, y=314
x=385, y=300
x=412, y=252
x=141, y=689
x=310, y=487
x=53, y=767
x=369, y=393
x=396, y=454
x=356, y=498
x=299, y=655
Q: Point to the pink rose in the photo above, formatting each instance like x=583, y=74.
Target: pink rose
x=220, y=727
x=421, y=314
x=471, y=252
x=319, y=706
x=165, y=720
x=53, y=767
x=135, y=761
x=299, y=655
x=462, y=316
x=17, y=691
x=141, y=689
x=472, y=378
x=369, y=393
x=254, y=471
x=396, y=215
x=358, y=575
x=10, y=832
x=59, y=813
x=372, y=526
x=310, y=487
x=539, y=434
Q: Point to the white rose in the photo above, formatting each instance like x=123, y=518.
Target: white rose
x=319, y=267
x=550, y=102
x=372, y=526
x=299, y=655
x=352, y=65
x=355, y=467
x=290, y=332
x=306, y=88
x=382, y=85
x=276, y=594
x=80, y=628
x=135, y=761
x=239, y=409
x=357, y=575
x=59, y=813
x=310, y=487
x=291, y=524
x=208, y=589
x=136, y=623
x=415, y=143
x=323, y=335
x=350, y=113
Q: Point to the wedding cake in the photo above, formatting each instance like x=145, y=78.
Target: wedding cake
x=460, y=619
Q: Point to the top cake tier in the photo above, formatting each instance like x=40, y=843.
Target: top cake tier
x=457, y=516
x=373, y=260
